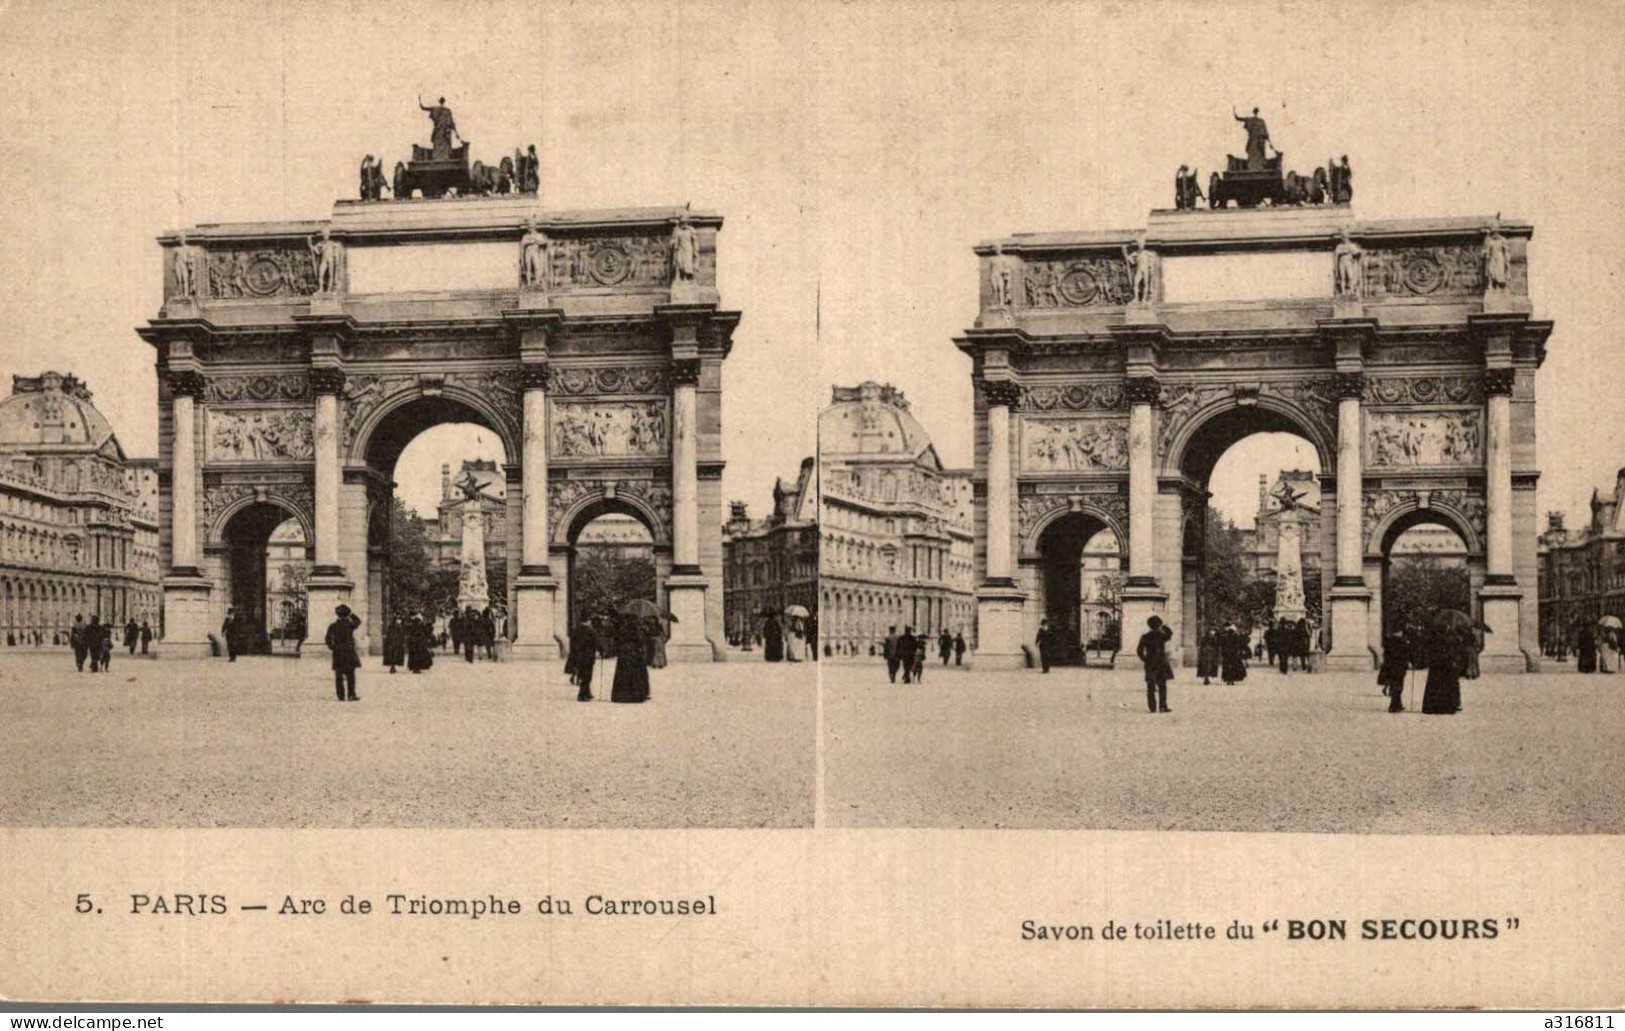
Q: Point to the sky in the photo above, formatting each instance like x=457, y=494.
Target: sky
x=857, y=152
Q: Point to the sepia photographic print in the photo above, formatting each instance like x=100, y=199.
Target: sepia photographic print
x=1026, y=504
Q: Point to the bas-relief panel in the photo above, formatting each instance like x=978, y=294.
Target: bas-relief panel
x=609, y=429
x=1075, y=283
x=260, y=436
x=1402, y=439
x=565, y=494
x=1073, y=444
x=586, y=263
x=279, y=271
x=1455, y=271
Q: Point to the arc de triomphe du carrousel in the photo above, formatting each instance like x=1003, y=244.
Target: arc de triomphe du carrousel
x=296, y=361
x=1404, y=351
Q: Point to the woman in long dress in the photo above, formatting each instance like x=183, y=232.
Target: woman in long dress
x=1607, y=651
x=656, y=630
x=773, y=640
x=631, y=661
x=395, y=644
x=1445, y=660
x=1233, y=655
x=419, y=644
x=1587, y=650
x=795, y=642
x=1207, y=657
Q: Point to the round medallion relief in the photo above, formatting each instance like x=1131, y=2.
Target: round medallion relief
x=610, y=264
x=263, y=276
x=1078, y=286
x=1424, y=274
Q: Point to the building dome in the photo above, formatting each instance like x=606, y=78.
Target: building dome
x=870, y=419
x=54, y=411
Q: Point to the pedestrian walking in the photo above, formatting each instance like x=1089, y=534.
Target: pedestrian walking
x=1153, y=653
x=76, y=638
x=1207, y=657
x=582, y=659
x=395, y=643
x=1587, y=650
x=146, y=636
x=419, y=643
x=1396, y=664
x=1233, y=654
x=945, y=645
x=1045, y=641
x=773, y=640
x=340, y=641
x=906, y=644
x=471, y=632
x=922, y=648
x=631, y=667
x=959, y=648
x=1445, y=659
x=132, y=634
x=889, y=649
x=93, y=641
x=105, y=644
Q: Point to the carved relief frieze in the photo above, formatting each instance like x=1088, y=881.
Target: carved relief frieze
x=1181, y=401
x=362, y=396
x=611, y=379
x=1449, y=271
x=1377, y=505
x=1423, y=390
x=1034, y=509
x=286, y=270
x=1402, y=439
x=613, y=429
x=1076, y=397
x=1076, y=283
x=1074, y=444
x=565, y=494
x=282, y=386
x=269, y=435
x=620, y=261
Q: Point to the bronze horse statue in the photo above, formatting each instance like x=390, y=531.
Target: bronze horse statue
x=490, y=179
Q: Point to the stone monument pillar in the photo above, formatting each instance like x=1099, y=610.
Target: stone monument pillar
x=1500, y=596
x=472, y=586
x=1351, y=600
x=1289, y=599
x=186, y=591
x=535, y=591
x=685, y=587
x=1142, y=596
x=999, y=601
x=328, y=587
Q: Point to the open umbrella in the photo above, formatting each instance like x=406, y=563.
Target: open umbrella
x=796, y=610
x=1612, y=622
x=1455, y=619
x=642, y=608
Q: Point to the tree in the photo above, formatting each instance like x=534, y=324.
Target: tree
x=413, y=582
x=1225, y=588
x=604, y=578
x=1418, y=587
x=296, y=585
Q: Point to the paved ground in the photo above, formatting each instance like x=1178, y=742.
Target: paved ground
x=1076, y=749
x=263, y=743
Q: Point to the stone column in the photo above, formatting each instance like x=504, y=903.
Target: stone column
x=686, y=586
x=999, y=602
x=328, y=587
x=1501, y=597
x=1351, y=600
x=535, y=591
x=1142, y=597
x=186, y=590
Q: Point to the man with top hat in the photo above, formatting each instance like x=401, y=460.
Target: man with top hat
x=346, y=660
x=1153, y=652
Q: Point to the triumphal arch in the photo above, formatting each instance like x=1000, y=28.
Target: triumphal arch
x=296, y=360
x=1112, y=369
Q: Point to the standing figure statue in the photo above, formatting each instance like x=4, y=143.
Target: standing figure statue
x=1342, y=182
x=185, y=269
x=1349, y=260
x=327, y=254
x=1179, y=187
x=1143, y=265
x=685, y=251
x=445, y=127
x=533, y=258
x=530, y=177
x=1258, y=135
x=1497, y=261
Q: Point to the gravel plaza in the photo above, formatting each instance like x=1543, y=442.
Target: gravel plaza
x=264, y=743
x=1542, y=754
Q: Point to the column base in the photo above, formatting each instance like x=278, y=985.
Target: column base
x=535, y=598
x=186, y=616
x=685, y=596
x=999, y=632
x=1140, y=602
x=1503, y=651
x=323, y=593
x=1351, y=614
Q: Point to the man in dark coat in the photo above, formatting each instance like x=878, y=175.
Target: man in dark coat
x=488, y=633
x=890, y=649
x=1446, y=658
x=105, y=645
x=959, y=648
x=76, y=637
x=419, y=644
x=93, y=641
x=905, y=653
x=1396, y=663
x=945, y=645
x=346, y=660
x=631, y=682
x=1586, y=652
x=922, y=648
x=1233, y=654
x=1207, y=657
x=1153, y=652
x=146, y=636
x=1301, y=639
x=1046, y=644
x=132, y=634
x=773, y=640
x=583, y=656
x=471, y=632
x=1283, y=645
x=228, y=630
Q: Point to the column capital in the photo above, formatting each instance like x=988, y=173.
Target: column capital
x=536, y=375
x=1348, y=386
x=1002, y=393
x=1499, y=381
x=327, y=379
x=1142, y=390
x=685, y=372
x=185, y=383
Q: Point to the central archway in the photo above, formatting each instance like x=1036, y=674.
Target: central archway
x=260, y=542
x=1072, y=599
